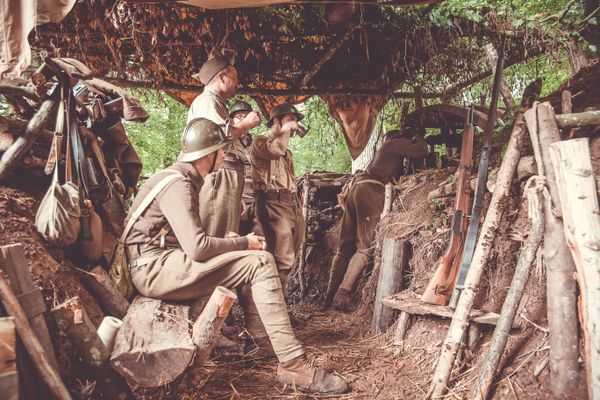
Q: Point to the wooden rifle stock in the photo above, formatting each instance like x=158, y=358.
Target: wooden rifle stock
x=441, y=284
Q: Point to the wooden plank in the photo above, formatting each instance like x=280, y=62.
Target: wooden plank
x=581, y=213
x=9, y=376
x=14, y=264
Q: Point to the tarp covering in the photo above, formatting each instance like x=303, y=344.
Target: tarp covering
x=19, y=17
x=357, y=116
x=217, y=4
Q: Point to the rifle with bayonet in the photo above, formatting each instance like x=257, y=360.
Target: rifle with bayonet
x=482, y=175
x=440, y=286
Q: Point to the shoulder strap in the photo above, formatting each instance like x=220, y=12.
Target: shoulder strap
x=148, y=199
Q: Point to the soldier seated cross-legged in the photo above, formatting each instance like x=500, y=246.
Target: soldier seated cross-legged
x=172, y=258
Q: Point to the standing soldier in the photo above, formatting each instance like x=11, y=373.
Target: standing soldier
x=222, y=192
x=277, y=205
x=362, y=203
x=237, y=113
x=172, y=258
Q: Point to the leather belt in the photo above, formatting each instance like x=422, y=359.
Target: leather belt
x=276, y=194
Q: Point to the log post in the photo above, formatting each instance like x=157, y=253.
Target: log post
x=153, y=347
x=561, y=288
x=402, y=326
x=387, y=201
x=394, y=258
x=577, y=120
x=207, y=327
x=302, y=256
x=9, y=377
x=32, y=344
x=104, y=290
x=482, y=251
x=72, y=318
x=18, y=149
x=579, y=202
x=511, y=302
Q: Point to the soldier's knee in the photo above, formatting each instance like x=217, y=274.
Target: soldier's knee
x=262, y=264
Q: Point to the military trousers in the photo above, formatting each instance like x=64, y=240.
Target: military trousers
x=171, y=275
x=220, y=199
x=362, y=208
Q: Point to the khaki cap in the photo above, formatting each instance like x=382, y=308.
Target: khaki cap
x=211, y=68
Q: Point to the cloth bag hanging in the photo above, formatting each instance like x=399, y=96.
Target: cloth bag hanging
x=58, y=217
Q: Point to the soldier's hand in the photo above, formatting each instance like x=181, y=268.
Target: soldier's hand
x=252, y=119
x=290, y=127
x=256, y=242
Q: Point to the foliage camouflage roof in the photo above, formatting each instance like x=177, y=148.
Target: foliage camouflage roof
x=299, y=48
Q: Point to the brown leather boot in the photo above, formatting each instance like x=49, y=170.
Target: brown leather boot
x=225, y=344
x=343, y=300
x=299, y=373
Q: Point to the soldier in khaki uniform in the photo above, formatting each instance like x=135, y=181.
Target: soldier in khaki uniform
x=277, y=206
x=222, y=192
x=171, y=257
x=363, y=204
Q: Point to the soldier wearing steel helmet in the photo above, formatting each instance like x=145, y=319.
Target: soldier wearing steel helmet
x=171, y=256
x=223, y=192
x=362, y=202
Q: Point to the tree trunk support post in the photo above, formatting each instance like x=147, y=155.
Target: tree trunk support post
x=579, y=201
x=394, y=258
x=560, y=268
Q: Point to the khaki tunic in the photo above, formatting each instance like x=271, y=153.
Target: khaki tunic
x=185, y=263
x=362, y=208
x=277, y=205
x=222, y=192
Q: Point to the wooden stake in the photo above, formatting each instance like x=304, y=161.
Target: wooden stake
x=579, y=201
x=31, y=342
x=587, y=118
x=9, y=377
x=394, y=258
x=401, y=328
x=526, y=258
x=72, y=318
x=302, y=256
x=561, y=289
x=492, y=56
x=22, y=145
x=207, y=327
x=105, y=291
x=387, y=202
x=482, y=251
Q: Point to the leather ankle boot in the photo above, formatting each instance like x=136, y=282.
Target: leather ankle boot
x=299, y=373
x=343, y=300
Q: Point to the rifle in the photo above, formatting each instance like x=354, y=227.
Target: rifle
x=482, y=175
x=440, y=286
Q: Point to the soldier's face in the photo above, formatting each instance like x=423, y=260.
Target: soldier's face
x=220, y=156
x=238, y=116
x=230, y=82
x=288, y=118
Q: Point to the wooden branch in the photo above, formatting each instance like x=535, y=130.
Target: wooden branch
x=387, y=200
x=579, y=201
x=560, y=285
x=328, y=55
x=207, y=327
x=492, y=56
x=394, y=258
x=105, y=291
x=527, y=256
x=22, y=145
x=587, y=118
x=306, y=195
x=72, y=318
x=31, y=343
x=482, y=251
x=22, y=91
x=402, y=326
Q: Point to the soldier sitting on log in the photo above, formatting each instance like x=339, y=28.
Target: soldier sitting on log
x=172, y=258
x=362, y=202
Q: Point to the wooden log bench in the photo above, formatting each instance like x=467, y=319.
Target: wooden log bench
x=409, y=304
x=160, y=339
